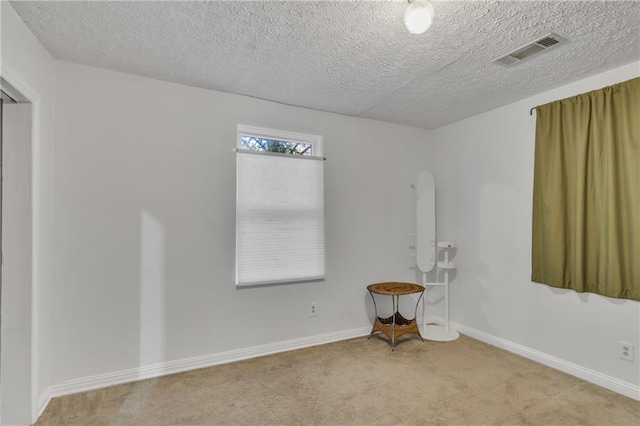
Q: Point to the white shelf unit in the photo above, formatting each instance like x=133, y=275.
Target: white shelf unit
x=440, y=333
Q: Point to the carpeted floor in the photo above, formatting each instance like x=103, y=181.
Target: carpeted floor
x=357, y=382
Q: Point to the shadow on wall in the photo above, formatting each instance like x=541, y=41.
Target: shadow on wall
x=384, y=305
x=502, y=248
x=368, y=307
x=583, y=297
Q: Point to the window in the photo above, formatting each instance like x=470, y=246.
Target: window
x=279, y=207
x=255, y=143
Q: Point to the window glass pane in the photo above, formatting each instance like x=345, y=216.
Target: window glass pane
x=254, y=143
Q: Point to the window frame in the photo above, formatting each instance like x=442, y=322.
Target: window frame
x=315, y=141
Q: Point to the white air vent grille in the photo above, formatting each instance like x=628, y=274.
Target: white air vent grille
x=548, y=41
x=530, y=50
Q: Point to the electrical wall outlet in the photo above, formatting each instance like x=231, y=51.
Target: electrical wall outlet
x=626, y=351
x=313, y=309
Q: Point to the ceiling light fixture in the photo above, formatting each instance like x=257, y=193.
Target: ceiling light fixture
x=418, y=16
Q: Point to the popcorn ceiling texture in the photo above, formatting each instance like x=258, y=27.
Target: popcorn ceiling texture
x=353, y=58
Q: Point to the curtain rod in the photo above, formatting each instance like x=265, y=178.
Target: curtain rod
x=531, y=110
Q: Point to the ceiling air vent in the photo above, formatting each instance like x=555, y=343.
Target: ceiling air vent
x=530, y=50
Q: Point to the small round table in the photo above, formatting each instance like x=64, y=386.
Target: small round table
x=396, y=325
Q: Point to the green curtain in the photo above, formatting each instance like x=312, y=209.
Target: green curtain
x=586, y=192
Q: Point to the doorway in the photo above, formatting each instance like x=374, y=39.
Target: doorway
x=15, y=255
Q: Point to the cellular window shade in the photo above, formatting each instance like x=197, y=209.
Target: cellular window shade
x=279, y=219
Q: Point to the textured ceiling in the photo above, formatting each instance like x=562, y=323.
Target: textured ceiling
x=348, y=57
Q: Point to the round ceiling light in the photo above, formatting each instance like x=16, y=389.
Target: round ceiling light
x=418, y=16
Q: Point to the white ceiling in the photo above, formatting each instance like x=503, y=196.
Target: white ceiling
x=348, y=57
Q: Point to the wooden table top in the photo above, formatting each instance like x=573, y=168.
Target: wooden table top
x=395, y=288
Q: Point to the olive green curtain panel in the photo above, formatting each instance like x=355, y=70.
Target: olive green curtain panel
x=586, y=192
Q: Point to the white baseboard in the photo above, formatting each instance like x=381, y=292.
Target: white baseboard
x=172, y=367
x=43, y=401
x=619, y=386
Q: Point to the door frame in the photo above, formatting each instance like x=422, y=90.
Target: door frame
x=32, y=96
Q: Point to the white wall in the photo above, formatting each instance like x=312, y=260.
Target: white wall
x=485, y=183
x=29, y=68
x=145, y=194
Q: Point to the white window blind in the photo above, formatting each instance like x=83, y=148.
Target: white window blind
x=279, y=218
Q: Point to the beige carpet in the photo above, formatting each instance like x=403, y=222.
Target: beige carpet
x=357, y=382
